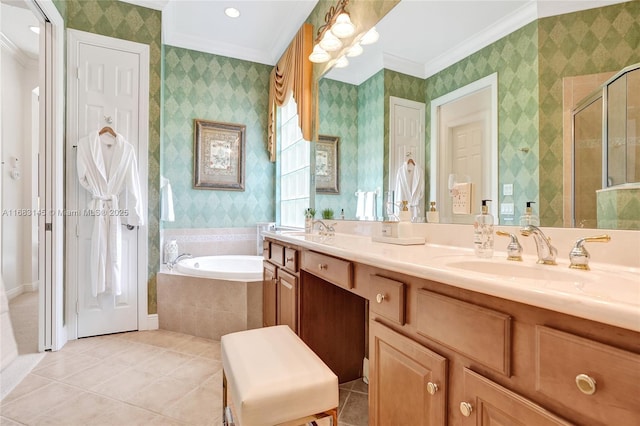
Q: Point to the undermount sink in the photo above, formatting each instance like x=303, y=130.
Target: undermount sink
x=521, y=270
x=620, y=285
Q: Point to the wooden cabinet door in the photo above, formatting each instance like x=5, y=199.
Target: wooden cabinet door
x=287, y=303
x=268, y=295
x=403, y=375
x=489, y=404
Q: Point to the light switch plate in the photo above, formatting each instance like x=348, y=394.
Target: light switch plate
x=507, y=209
x=507, y=189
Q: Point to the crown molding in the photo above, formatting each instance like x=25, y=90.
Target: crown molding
x=404, y=66
x=215, y=48
x=22, y=57
x=150, y=4
x=504, y=27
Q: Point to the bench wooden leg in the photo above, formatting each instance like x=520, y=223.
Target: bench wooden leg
x=224, y=398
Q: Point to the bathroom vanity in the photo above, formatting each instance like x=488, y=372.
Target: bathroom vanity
x=451, y=343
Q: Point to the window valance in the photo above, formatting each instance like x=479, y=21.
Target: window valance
x=293, y=74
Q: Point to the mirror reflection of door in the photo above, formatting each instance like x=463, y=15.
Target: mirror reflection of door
x=464, y=144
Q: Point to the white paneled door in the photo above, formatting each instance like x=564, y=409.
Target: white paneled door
x=406, y=139
x=108, y=93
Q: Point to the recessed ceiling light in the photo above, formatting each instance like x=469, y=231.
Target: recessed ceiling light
x=35, y=28
x=232, y=12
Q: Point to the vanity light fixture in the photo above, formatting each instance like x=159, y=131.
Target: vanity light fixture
x=331, y=36
x=341, y=62
x=330, y=42
x=343, y=27
x=355, y=50
x=370, y=37
x=232, y=12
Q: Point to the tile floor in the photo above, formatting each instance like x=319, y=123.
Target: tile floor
x=148, y=378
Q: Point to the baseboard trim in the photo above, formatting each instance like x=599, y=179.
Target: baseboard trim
x=24, y=288
x=152, y=322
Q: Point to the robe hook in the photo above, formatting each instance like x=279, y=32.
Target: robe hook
x=108, y=119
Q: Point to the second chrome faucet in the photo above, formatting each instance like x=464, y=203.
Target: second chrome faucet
x=546, y=252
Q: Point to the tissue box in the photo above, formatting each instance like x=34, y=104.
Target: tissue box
x=390, y=229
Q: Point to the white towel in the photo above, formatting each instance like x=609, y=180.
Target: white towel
x=360, y=205
x=166, y=201
x=370, y=205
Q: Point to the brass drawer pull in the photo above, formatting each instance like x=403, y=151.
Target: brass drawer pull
x=466, y=409
x=586, y=384
x=289, y=259
x=322, y=266
x=432, y=388
x=380, y=298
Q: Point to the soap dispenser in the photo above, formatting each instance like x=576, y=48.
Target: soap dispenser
x=528, y=218
x=483, y=232
x=404, y=226
x=433, y=216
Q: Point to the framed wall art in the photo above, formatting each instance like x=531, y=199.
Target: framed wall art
x=219, y=153
x=327, y=166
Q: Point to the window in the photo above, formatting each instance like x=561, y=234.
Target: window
x=293, y=169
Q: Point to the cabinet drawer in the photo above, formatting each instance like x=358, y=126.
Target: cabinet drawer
x=266, y=245
x=480, y=334
x=565, y=364
x=276, y=254
x=387, y=298
x=336, y=271
x=487, y=403
x=291, y=259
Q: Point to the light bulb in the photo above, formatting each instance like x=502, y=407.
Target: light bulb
x=341, y=62
x=370, y=37
x=343, y=27
x=329, y=42
x=355, y=50
x=319, y=55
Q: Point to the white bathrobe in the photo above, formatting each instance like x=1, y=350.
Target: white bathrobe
x=409, y=184
x=107, y=168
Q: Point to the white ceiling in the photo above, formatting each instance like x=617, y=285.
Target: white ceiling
x=15, y=19
x=418, y=37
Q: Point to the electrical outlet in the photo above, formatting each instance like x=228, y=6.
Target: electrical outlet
x=461, y=198
x=507, y=189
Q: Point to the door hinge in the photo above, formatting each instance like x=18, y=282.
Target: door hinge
x=77, y=230
x=77, y=308
x=77, y=73
x=48, y=227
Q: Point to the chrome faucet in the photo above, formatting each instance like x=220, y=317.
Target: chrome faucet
x=579, y=256
x=546, y=252
x=325, y=230
x=178, y=258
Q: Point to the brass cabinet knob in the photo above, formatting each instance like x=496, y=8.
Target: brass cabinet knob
x=322, y=266
x=466, y=409
x=379, y=298
x=432, y=388
x=586, y=384
x=289, y=259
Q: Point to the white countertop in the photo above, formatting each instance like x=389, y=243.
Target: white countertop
x=608, y=293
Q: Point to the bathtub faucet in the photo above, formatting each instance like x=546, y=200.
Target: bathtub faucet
x=170, y=265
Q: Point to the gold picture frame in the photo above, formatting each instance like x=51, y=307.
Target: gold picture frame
x=219, y=155
x=327, y=164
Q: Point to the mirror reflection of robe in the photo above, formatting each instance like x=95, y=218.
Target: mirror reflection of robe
x=409, y=184
x=107, y=168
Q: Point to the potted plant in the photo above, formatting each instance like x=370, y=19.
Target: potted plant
x=327, y=214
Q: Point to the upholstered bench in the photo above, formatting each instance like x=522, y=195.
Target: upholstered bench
x=273, y=378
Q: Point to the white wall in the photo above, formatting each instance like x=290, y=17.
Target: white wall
x=19, y=78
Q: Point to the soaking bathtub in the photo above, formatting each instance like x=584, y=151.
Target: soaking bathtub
x=210, y=296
